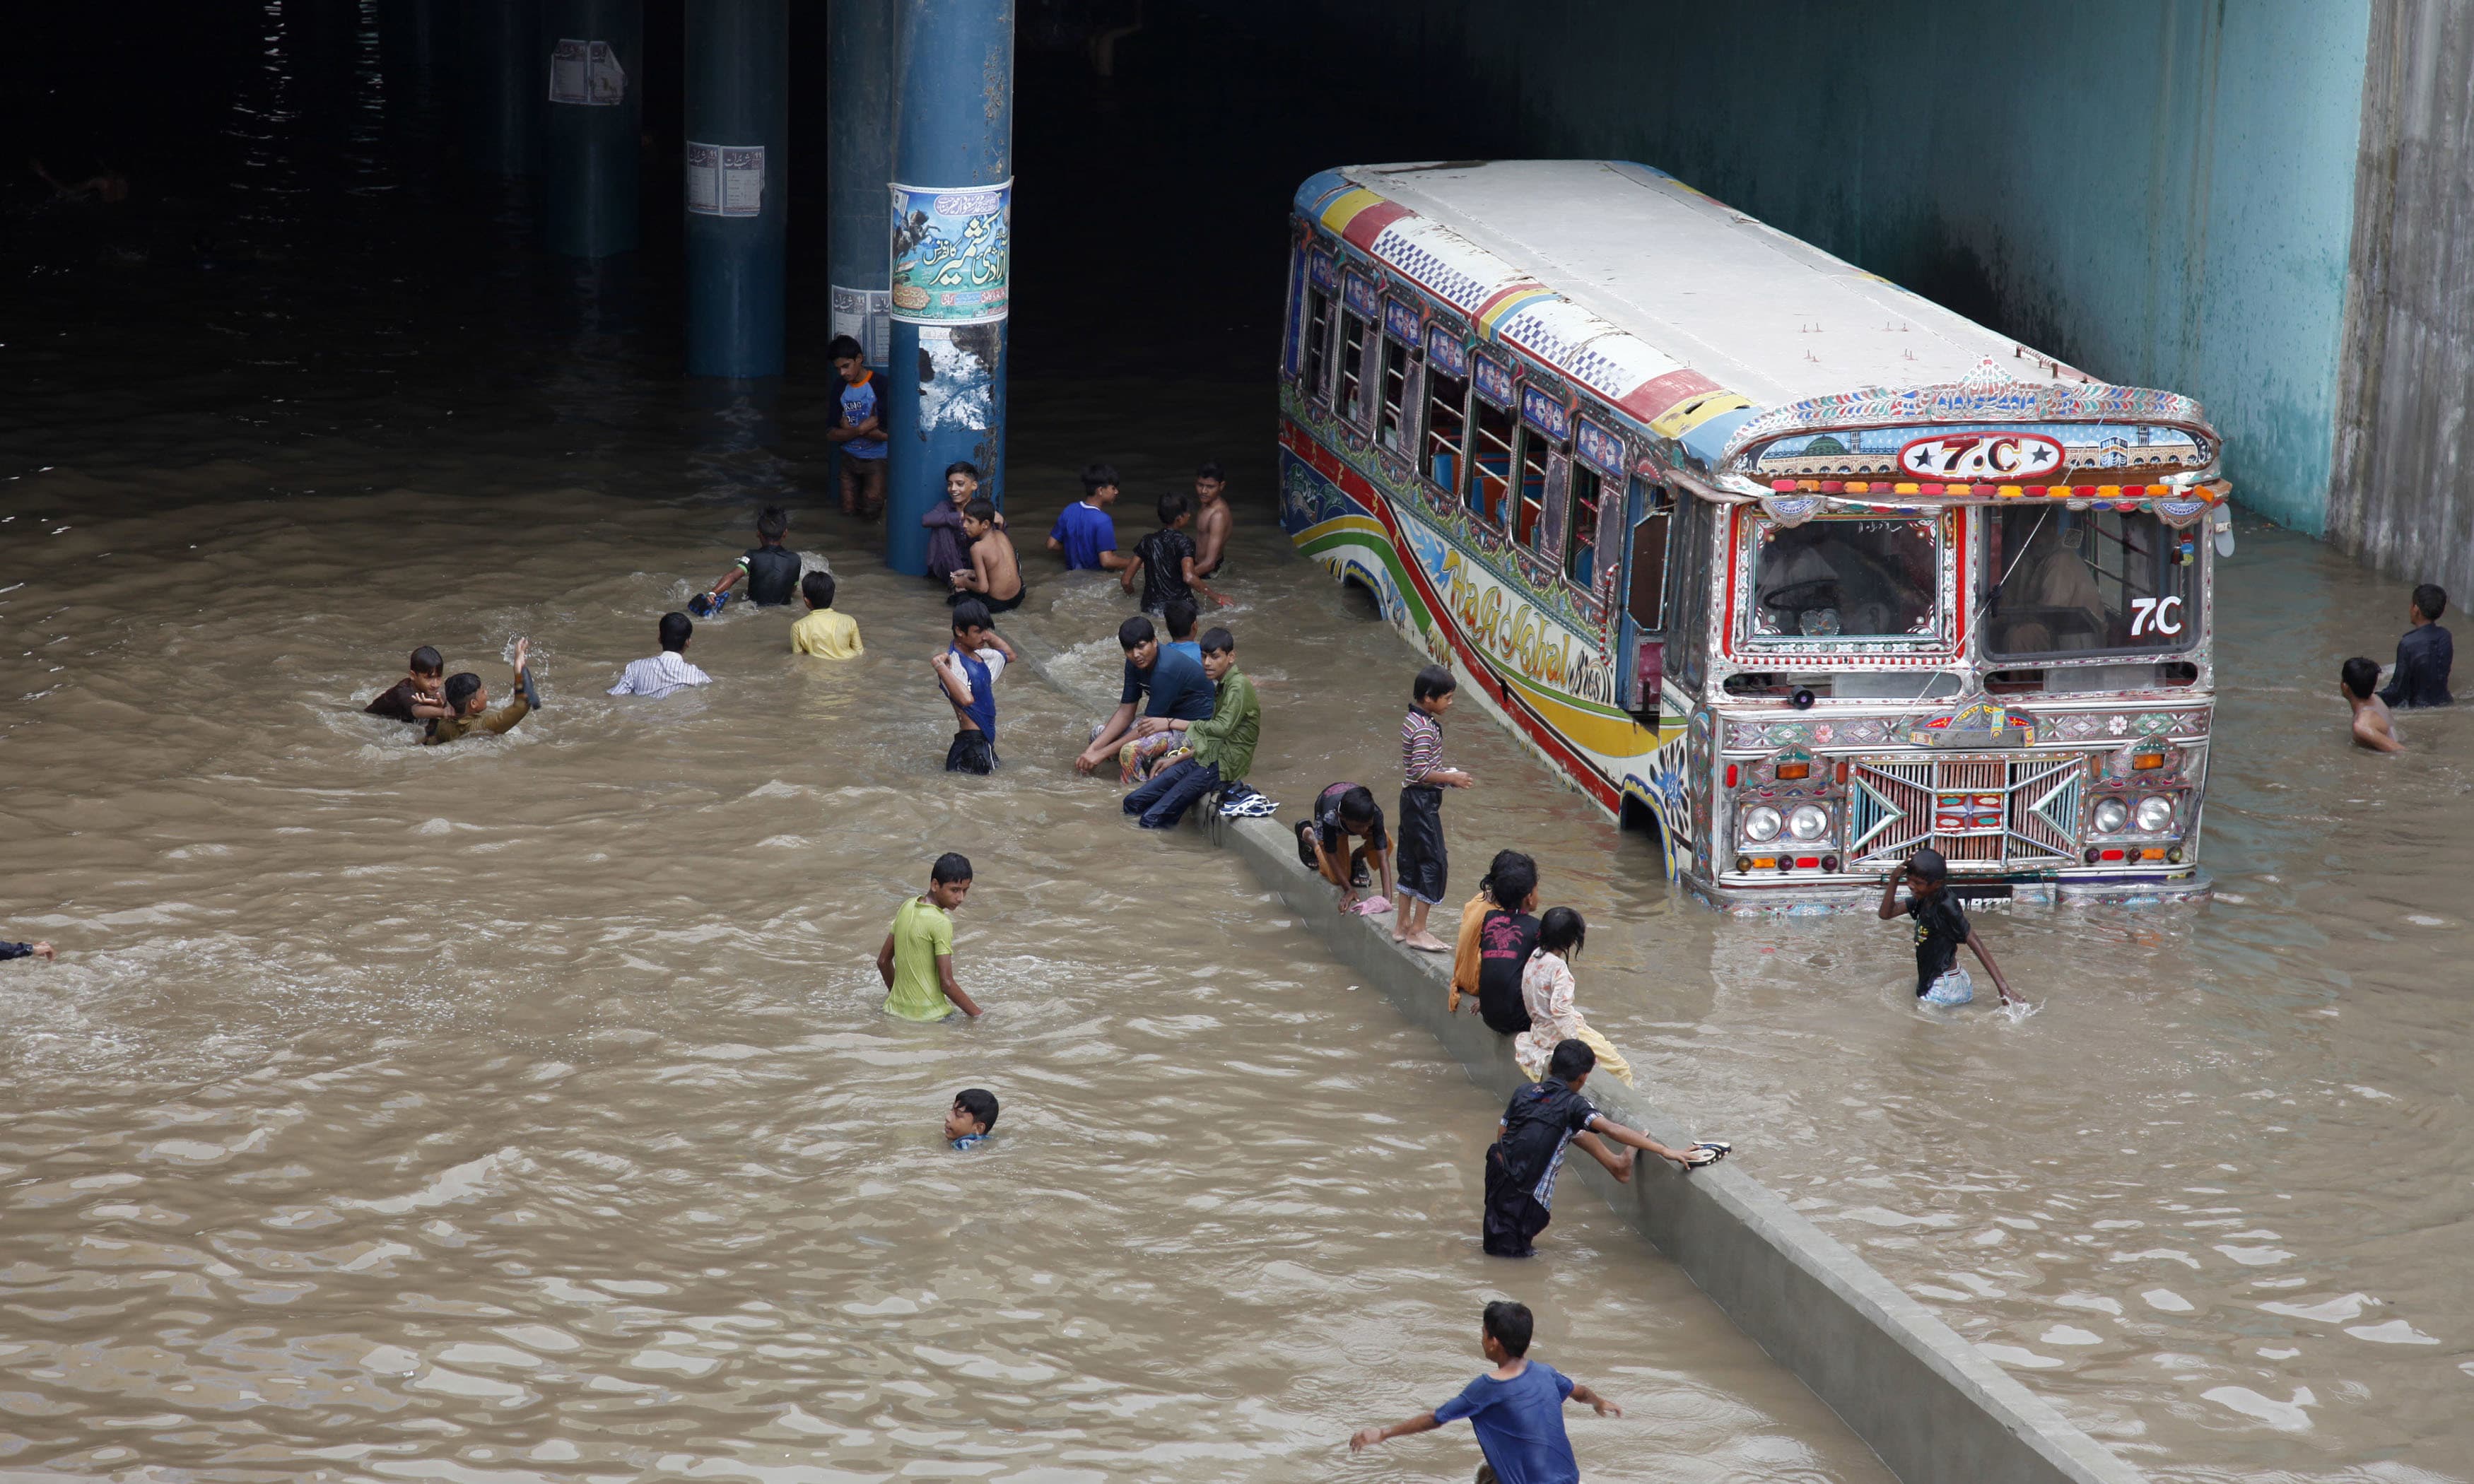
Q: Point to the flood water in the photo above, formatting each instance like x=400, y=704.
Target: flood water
x=522, y=1111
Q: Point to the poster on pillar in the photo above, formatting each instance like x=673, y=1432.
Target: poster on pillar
x=725, y=180
x=863, y=314
x=586, y=74
x=952, y=253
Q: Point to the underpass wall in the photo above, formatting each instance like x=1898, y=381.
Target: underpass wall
x=2158, y=191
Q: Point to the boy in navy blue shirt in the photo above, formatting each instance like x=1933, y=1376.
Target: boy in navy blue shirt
x=1516, y=1409
x=968, y=671
x=1176, y=688
x=1084, y=532
x=2424, y=655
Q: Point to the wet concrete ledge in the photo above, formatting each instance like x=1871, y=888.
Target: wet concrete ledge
x=1931, y=1405
x=1927, y=1402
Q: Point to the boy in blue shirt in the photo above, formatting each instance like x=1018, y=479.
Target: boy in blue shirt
x=1516, y=1409
x=971, y=1120
x=859, y=432
x=968, y=671
x=1084, y=532
x=1160, y=680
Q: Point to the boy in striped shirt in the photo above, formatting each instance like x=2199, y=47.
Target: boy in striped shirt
x=1423, y=778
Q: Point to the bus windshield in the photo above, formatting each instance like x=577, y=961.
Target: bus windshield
x=1845, y=578
x=2088, y=582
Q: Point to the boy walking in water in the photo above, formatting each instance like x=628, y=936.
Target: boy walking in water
x=1211, y=519
x=666, y=671
x=860, y=433
x=966, y=672
x=1165, y=558
x=992, y=574
x=1516, y=1409
x=772, y=570
x=824, y=633
x=2373, y=727
x=1538, y=1124
x=1941, y=927
x=1423, y=865
x=2424, y=655
x=918, y=960
x=1084, y=531
x=467, y=702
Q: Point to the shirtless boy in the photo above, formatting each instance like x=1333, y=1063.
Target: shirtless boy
x=994, y=576
x=2373, y=727
x=1211, y=519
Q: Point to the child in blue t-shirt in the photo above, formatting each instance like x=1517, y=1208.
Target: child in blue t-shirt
x=1084, y=532
x=859, y=431
x=1516, y=1409
x=968, y=671
x=972, y=1117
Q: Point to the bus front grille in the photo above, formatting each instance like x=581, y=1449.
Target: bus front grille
x=1983, y=811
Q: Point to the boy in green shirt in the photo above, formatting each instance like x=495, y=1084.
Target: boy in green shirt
x=918, y=959
x=1220, y=747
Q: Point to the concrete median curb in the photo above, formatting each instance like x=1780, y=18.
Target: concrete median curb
x=1927, y=1402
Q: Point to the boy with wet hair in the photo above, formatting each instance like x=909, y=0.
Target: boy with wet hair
x=419, y=696
x=1165, y=558
x=1178, y=615
x=467, y=702
x=994, y=573
x=1084, y=531
x=1516, y=1409
x=968, y=671
x=2424, y=655
x=1211, y=519
x=1507, y=939
x=971, y=1120
x=824, y=633
x=1538, y=1124
x=858, y=430
x=948, y=542
x=918, y=960
x=1424, y=867
x=2373, y=727
x=772, y=570
x=1942, y=926
x=1217, y=750
x=666, y=671
x=1345, y=812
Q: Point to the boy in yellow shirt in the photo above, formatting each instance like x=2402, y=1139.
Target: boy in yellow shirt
x=824, y=631
x=918, y=960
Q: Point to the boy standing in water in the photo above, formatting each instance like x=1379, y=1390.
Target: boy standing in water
x=1942, y=926
x=667, y=671
x=419, y=696
x=1211, y=519
x=918, y=960
x=824, y=633
x=1084, y=531
x=860, y=435
x=2373, y=727
x=1165, y=558
x=966, y=672
x=2424, y=655
x=1538, y=1124
x=772, y=570
x=1424, y=864
x=1516, y=1409
x=992, y=574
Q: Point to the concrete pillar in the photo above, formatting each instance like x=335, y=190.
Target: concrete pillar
x=858, y=161
x=592, y=68
x=502, y=85
x=951, y=278
x=738, y=179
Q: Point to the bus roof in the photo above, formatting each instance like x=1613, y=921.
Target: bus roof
x=1693, y=317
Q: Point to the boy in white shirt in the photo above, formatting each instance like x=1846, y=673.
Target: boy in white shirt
x=666, y=671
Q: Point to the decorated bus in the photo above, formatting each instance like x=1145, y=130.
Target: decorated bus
x=1762, y=552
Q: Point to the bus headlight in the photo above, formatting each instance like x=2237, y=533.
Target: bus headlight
x=2111, y=816
x=1761, y=823
x=1807, y=821
x=2155, y=814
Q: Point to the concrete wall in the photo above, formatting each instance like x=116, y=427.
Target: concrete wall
x=2158, y=191
x=2400, y=495
x=1933, y=1408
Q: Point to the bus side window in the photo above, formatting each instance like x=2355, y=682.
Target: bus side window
x=1311, y=380
x=1532, y=497
x=1489, y=475
x=1581, y=547
x=1350, y=400
x=1394, y=394
x=1446, y=427
x=1648, y=602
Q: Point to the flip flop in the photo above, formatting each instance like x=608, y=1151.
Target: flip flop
x=1718, y=1148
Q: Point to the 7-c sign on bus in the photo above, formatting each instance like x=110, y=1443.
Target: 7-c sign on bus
x=1987, y=456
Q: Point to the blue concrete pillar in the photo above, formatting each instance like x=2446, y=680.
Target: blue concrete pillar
x=591, y=65
x=950, y=277
x=503, y=86
x=858, y=161
x=738, y=178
